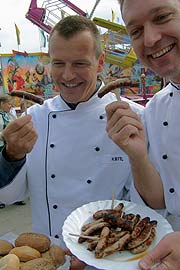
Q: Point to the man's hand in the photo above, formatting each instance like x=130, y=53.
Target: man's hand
x=124, y=127
x=20, y=137
x=166, y=254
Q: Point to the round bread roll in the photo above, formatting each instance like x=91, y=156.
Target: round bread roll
x=38, y=264
x=38, y=241
x=25, y=253
x=5, y=247
x=46, y=255
x=10, y=262
x=21, y=263
x=57, y=255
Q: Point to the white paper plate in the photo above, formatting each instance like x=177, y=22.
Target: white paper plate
x=119, y=260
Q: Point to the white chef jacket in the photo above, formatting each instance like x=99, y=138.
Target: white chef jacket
x=163, y=131
x=72, y=163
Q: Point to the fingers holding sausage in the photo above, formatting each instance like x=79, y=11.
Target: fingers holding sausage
x=119, y=114
x=114, y=106
x=122, y=122
x=20, y=137
x=124, y=127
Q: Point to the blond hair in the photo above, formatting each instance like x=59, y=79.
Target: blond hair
x=71, y=25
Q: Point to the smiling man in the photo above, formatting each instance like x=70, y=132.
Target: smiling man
x=60, y=151
x=153, y=26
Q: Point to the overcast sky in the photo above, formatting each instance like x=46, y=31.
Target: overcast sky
x=13, y=11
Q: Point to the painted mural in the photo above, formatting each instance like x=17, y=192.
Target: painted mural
x=27, y=72
x=31, y=73
x=153, y=81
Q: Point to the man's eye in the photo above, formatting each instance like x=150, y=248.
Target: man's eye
x=57, y=64
x=135, y=33
x=80, y=64
x=163, y=17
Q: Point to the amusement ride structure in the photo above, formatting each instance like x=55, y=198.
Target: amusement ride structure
x=51, y=12
x=115, y=40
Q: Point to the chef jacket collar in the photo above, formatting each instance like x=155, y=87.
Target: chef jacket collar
x=73, y=105
x=176, y=85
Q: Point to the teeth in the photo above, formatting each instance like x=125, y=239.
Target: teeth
x=162, y=52
x=71, y=85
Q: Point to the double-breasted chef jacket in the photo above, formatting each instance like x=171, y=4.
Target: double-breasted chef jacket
x=162, y=116
x=72, y=163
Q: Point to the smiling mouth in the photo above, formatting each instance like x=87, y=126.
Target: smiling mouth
x=71, y=85
x=162, y=52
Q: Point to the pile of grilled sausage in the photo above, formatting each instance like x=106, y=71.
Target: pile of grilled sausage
x=114, y=230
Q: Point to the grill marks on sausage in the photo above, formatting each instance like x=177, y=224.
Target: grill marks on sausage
x=139, y=227
x=92, y=230
x=28, y=96
x=116, y=84
x=116, y=230
x=102, y=243
x=101, y=213
x=117, y=246
x=142, y=247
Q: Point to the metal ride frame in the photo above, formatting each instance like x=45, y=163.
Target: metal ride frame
x=51, y=12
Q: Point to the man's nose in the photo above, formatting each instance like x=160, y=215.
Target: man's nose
x=151, y=35
x=68, y=73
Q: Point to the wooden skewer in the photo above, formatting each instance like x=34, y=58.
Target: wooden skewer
x=113, y=198
x=117, y=93
x=85, y=236
x=25, y=105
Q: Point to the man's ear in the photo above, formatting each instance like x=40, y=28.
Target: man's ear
x=101, y=63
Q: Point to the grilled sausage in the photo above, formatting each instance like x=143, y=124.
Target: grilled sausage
x=90, y=231
x=145, y=234
x=146, y=244
x=116, y=220
x=118, y=245
x=88, y=225
x=92, y=245
x=139, y=227
x=115, y=84
x=102, y=243
x=28, y=96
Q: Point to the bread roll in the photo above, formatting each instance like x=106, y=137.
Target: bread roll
x=25, y=253
x=5, y=247
x=57, y=254
x=38, y=264
x=38, y=241
x=46, y=255
x=21, y=263
x=10, y=262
